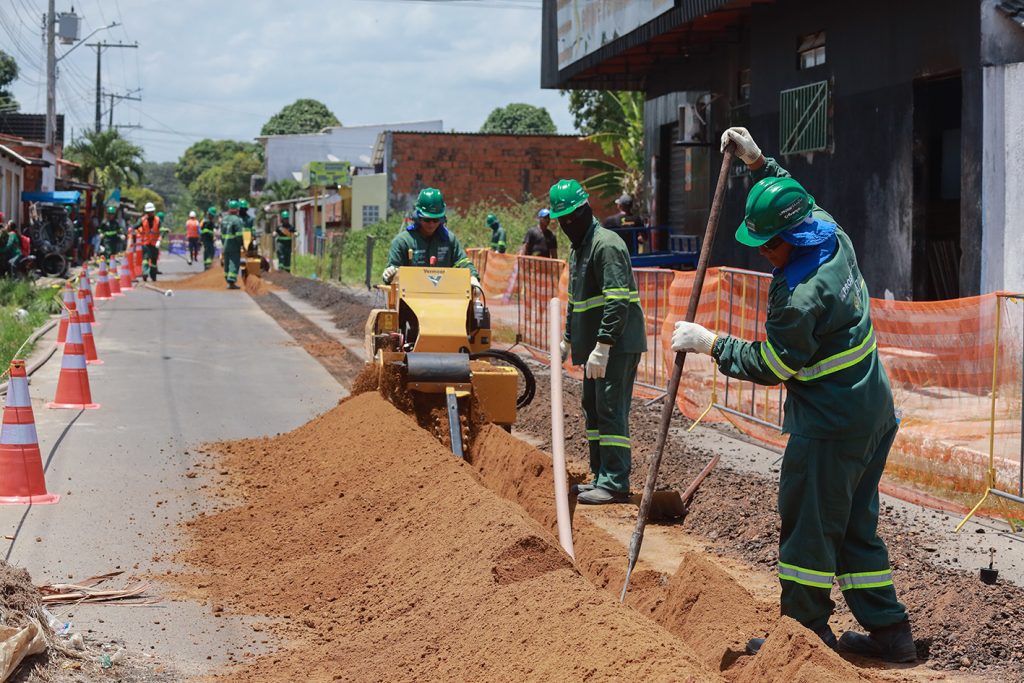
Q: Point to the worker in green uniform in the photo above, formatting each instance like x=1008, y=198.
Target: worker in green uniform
x=231, y=235
x=428, y=241
x=206, y=231
x=284, y=232
x=604, y=331
x=498, y=237
x=840, y=417
x=110, y=232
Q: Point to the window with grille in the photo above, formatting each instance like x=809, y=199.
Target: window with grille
x=811, y=50
x=371, y=214
x=804, y=118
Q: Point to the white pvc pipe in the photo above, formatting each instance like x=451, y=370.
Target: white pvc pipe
x=558, y=430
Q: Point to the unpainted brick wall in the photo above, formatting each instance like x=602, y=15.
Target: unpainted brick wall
x=471, y=168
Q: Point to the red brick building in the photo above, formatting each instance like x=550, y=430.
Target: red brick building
x=474, y=167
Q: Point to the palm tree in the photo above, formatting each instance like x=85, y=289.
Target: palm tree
x=106, y=159
x=624, y=141
x=278, y=190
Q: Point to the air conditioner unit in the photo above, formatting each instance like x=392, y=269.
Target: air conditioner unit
x=691, y=127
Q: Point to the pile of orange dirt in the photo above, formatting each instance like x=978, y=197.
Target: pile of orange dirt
x=213, y=279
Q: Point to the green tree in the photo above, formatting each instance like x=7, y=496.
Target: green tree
x=106, y=159
x=520, y=119
x=301, y=116
x=626, y=144
x=8, y=74
x=595, y=111
x=227, y=180
x=279, y=190
x=206, y=154
x=140, y=195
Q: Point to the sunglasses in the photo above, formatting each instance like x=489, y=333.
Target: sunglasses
x=773, y=243
x=430, y=220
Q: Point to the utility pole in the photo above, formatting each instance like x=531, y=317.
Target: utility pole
x=100, y=46
x=115, y=96
x=51, y=76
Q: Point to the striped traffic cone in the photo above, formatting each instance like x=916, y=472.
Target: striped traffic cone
x=69, y=305
x=112, y=278
x=21, y=463
x=137, y=265
x=91, y=357
x=102, y=283
x=73, y=383
x=125, y=275
x=82, y=306
x=88, y=309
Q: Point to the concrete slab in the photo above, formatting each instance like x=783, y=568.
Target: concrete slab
x=178, y=372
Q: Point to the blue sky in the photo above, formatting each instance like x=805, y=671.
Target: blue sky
x=221, y=68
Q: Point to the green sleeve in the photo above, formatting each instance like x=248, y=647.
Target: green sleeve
x=568, y=306
x=789, y=346
x=615, y=273
x=771, y=169
x=460, y=259
x=502, y=242
x=395, y=256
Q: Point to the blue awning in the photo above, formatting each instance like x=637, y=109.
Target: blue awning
x=66, y=197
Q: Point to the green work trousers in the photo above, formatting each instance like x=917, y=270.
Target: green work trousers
x=208, y=251
x=112, y=245
x=606, y=404
x=284, y=255
x=232, y=259
x=828, y=501
x=150, y=254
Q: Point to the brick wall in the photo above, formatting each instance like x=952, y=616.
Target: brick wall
x=469, y=168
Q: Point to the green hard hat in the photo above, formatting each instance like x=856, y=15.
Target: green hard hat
x=491, y=219
x=232, y=204
x=285, y=214
x=212, y=211
x=566, y=196
x=774, y=205
x=430, y=203
x=243, y=203
x=111, y=209
x=159, y=214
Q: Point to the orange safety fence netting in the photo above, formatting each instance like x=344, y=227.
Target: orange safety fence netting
x=939, y=356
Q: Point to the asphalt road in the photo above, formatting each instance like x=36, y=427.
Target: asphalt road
x=178, y=372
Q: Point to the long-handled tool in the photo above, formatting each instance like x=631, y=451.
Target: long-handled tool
x=654, y=459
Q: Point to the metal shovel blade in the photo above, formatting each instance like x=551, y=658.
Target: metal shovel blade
x=666, y=505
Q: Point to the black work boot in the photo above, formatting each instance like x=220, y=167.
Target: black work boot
x=825, y=633
x=893, y=643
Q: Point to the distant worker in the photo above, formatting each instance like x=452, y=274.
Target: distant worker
x=605, y=332
x=428, y=241
x=10, y=248
x=206, y=231
x=840, y=417
x=110, y=231
x=540, y=240
x=148, y=234
x=243, y=213
x=498, y=237
x=192, y=234
x=231, y=236
x=284, y=233
x=625, y=218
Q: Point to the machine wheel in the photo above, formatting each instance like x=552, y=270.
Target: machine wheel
x=530, y=389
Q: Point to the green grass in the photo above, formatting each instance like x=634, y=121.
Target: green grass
x=14, y=295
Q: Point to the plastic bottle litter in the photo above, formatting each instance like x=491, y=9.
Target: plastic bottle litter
x=60, y=628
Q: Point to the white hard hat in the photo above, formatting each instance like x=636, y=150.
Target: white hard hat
x=149, y=207
x=191, y=214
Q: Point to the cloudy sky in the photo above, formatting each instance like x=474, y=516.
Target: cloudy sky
x=221, y=68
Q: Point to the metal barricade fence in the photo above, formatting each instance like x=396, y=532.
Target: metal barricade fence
x=653, y=285
x=742, y=309
x=537, y=284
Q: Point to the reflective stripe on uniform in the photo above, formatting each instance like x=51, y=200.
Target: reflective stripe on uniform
x=772, y=360
x=587, y=304
x=865, y=579
x=841, y=361
x=614, y=440
x=593, y=435
x=806, y=577
x=18, y=435
x=462, y=262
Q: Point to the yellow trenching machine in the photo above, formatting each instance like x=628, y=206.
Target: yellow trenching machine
x=252, y=262
x=438, y=328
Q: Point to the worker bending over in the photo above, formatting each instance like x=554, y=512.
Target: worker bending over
x=604, y=331
x=428, y=241
x=499, y=240
x=839, y=411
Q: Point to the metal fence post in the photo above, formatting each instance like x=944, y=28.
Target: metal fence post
x=370, y=239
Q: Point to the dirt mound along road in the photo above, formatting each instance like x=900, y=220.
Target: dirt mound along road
x=213, y=279
x=381, y=557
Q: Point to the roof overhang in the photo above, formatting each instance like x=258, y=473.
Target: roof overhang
x=17, y=158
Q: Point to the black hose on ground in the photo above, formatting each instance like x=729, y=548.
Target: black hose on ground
x=519, y=364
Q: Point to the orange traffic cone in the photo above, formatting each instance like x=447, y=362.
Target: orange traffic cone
x=69, y=305
x=124, y=271
x=82, y=307
x=21, y=463
x=112, y=278
x=73, y=383
x=137, y=259
x=89, y=343
x=87, y=309
x=103, y=283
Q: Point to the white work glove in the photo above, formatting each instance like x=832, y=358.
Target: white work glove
x=473, y=282
x=389, y=274
x=158, y=244
x=597, y=363
x=563, y=347
x=691, y=337
x=746, y=148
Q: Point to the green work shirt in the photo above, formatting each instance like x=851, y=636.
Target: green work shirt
x=231, y=227
x=411, y=248
x=207, y=227
x=604, y=303
x=498, y=240
x=285, y=231
x=111, y=229
x=10, y=246
x=247, y=221
x=821, y=344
